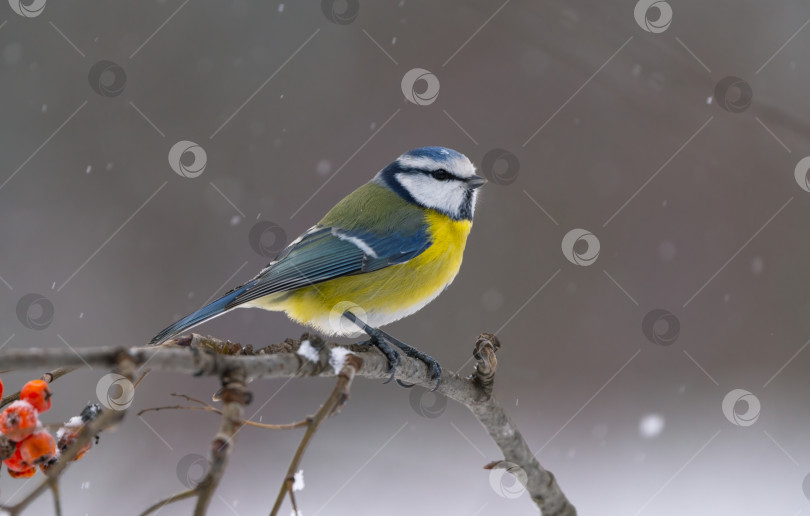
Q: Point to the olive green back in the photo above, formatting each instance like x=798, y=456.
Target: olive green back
x=377, y=209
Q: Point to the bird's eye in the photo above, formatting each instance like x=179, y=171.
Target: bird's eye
x=441, y=175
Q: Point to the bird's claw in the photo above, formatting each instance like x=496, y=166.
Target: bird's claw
x=435, y=371
x=381, y=340
x=390, y=353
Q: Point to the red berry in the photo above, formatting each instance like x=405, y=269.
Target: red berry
x=26, y=473
x=37, y=393
x=15, y=462
x=18, y=420
x=1, y=388
x=39, y=448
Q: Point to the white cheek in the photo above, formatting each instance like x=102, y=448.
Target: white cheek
x=446, y=196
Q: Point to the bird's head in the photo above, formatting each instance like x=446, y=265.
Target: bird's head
x=436, y=178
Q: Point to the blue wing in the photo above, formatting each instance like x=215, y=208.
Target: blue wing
x=325, y=253
x=320, y=254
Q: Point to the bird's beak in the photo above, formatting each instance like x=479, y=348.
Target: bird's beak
x=475, y=182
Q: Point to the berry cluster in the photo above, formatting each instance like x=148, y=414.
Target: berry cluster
x=25, y=444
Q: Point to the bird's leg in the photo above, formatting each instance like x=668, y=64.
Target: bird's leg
x=378, y=335
x=377, y=338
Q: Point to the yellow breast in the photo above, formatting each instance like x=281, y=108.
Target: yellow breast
x=385, y=295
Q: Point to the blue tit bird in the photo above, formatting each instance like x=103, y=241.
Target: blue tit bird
x=380, y=254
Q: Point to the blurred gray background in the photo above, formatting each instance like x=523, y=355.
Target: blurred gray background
x=607, y=123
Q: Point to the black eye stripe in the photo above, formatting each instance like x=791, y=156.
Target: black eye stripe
x=442, y=175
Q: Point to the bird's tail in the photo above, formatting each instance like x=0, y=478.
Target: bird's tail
x=206, y=313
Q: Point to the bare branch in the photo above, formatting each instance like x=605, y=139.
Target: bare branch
x=198, y=355
x=539, y=482
x=235, y=396
x=54, y=485
x=330, y=407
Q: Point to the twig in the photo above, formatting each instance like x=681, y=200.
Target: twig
x=171, y=499
x=197, y=355
x=208, y=408
x=330, y=407
x=235, y=396
x=47, y=377
x=140, y=379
